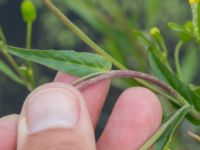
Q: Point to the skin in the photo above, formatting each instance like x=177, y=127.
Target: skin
x=135, y=117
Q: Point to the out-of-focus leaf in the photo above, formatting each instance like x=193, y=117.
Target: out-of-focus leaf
x=162, y=72
x=27, y=72
x=152, y=10
x=88, y=13
x=164, y=141
x=114, y=50
x=198, y=17
x=176, y=27
x=69, y=61
x=196, y=89
x=140, y=36
x=185, y=32
x=189, y=66
x=9, y=73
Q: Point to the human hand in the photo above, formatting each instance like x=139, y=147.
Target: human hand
x=56, y=116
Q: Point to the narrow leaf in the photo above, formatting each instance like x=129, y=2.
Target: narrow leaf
x=68, y=61
x=176, y=27
x=162, y=72
x=166, y=137
x=185, y=32
x=196, y=89
x=9, y=73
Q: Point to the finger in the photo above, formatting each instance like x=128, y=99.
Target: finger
x=65, y=78
x=54, y=116
x=94, y=95
x=135, y=117
x=8, y=132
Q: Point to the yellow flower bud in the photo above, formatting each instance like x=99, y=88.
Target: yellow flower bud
x=154, y=31
x=194, y=1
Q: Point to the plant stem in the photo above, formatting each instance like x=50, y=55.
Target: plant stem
x=87, y=77
x=28, y=34
x=15, y=67
x=172, y=99
x=194, y=8
x=28, y=46
x=194, y=136
x=12, y=61
x=95, y=78
x=133, y=74
x=80, y=34
x=176, y=58
x=159, y=132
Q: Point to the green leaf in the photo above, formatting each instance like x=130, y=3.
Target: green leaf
x=152, y=8
x=166, y=137
x=176, y=27
x=68, y=61
x=167, y=75
x=185, y=32
x=9, y=73
x=197, y=91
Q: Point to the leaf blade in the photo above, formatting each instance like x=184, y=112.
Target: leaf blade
x=165, y=139
x=68, y=61
x=169, y=77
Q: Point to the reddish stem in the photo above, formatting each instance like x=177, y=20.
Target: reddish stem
x=126, y=73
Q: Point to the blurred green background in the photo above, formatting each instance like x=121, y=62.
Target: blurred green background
x=110, y=23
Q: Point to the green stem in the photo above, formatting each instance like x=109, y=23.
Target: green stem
x=28, y=34
x=160, y=131
x=80, y=34
x=15, y=67
x=176, y=58
x=194, y=8
x=28, y=46
x=12, y=61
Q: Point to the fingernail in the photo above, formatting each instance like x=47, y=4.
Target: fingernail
x=51, y=108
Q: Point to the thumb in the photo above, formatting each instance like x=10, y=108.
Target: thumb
x=54, y=116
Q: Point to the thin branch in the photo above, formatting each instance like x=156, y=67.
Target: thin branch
x=194, y=136
x=176, y=58
x=132, y=74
